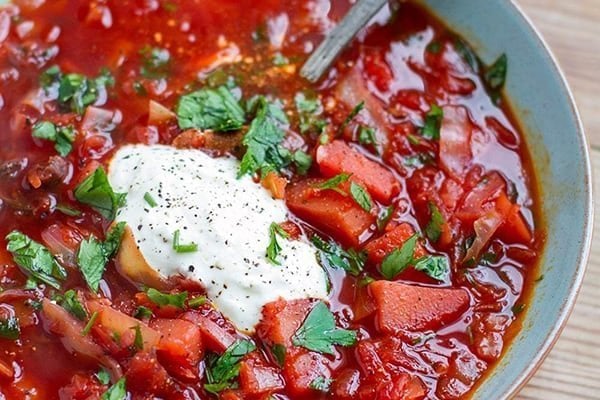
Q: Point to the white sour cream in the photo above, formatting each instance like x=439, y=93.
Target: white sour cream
x=228, y=218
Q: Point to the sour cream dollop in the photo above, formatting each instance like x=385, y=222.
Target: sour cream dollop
x=228, y=218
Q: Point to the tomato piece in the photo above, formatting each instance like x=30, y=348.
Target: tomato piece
x=337, y=157
x=281, y=319
x=180, y=347
x=335, y=214
x=257, y=378
x=406, y=307
x=379, y=248
x=215, y=337
x=146, y=375
x=301, y=368
x=120, y=327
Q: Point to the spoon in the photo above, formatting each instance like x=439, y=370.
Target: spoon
x=339, y=37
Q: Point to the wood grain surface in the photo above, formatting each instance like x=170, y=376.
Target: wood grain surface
x=572, y=29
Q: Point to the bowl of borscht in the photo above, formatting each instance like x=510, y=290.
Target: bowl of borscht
x=183, y=216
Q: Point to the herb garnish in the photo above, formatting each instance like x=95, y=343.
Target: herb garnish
x=221, y=371
x=321, y=384
x=150, y=200
x=274, y=247
x=62, y=136
x=70, y=302
x=433, y=123
x=366, y=135
x=183, y=248
x=319, y=333
x=302, y=161
x=214, y=109
x=384, y=217
x=399, y=259
x=495, y=75
x=334, y=256
x=334, y=183
x=355, y=111
x=433, y=230
x=165, y=299
x=90, y=324
x=155, y=62
x=9, y=328
x=103, y=376
x=95, y=191
x=361, y=196
x=435, y=267
x=279, y=353
x=308, y=112
x=35, y=259
x=116, y=391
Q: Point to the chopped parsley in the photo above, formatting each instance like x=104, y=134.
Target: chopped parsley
x=355, y=111
x=164, y=299
x=433, y=230
x=302, y=161
x=183, y=248
x=518, y=309
x=274, y=247
x=70, y=302
x=150, y=200
x=96, y=192
x=88, y=327
x=93, y=255
x=366, y=136
x=214, y=109
x=69, y=211
x=399, y=259
x=222, y=371
x=9, y=328
x=334, y=256
x=279, y=353
x=495, y=75
x=435, y=267
x=319, y=333
x=155, y=62
x=264, y=152
x=103, y=376
x=62, y=136
x=142, y=313
x=384, y=217
x=334, y=183
x=466, y=52
x=321, y=384
x=279, y=60
x=138, y=340
x=35, y=259
x=116, y=391
x=309, y=110
x=361, y=196
x=434, y=47
x=433, y=123
x=197, y=301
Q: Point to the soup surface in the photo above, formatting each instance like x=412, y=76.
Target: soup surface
x=184, y=217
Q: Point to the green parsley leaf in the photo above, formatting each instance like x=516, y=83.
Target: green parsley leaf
x=366, y=135
x=495, y=75
x=518, y=309
x=467, y=53
x=142, y=313
x=361, y=196
x=274, y=247
x=93, y=255
x=302, y=161
x=221, y=371
x=96, y=192
x=70, y=302
x=116, y=391
x=9, y=328
x=279, y=60
x=90, y=324
x=138, y=341
x=150, y=200
x=50, y=76
x=155, y=62
x=309, y=110
x=355, y=111
x=433, y=123
x=214, y=109
x=434, y=47
x=69, y=211
x=384, y=217
x=35, y=260
x=76, y=92
x=264, y=152
x=197, y=301
x=433, y=230
x=319, y=333
x=399, y=259
x=334, y=183
x=103, y=376
x=279, y=353
x=62, y=136
x=334, y=256
x=183, y=248
x=164, y=299
x=321, y=384
x=436, y=267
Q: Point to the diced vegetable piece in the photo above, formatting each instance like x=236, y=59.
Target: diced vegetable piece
x=121, y=327
x=515, y=228
x=345, y=386
x=405, y=307
x=146, y=375
x=275, y=184
x=58, y=321
x=214, y=337
x=180, y=346
x=257, y=378
x=281, y=319
x=489, y=189
x=338, y=157
x=379, y=248
x=455, y=141
x=159, y=114
x=301, y=369
x=337, y=215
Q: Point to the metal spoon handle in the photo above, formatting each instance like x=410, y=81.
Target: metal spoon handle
x=333, y=44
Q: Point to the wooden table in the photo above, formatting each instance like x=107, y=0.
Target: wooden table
x=572, y=28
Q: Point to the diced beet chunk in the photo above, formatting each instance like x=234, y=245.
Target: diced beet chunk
x=414, y=308
x=180, y=347
x=257, y=378
x=301, y=368
x=281, y=319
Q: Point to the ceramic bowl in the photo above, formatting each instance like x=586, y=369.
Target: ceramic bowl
x=544, y=106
